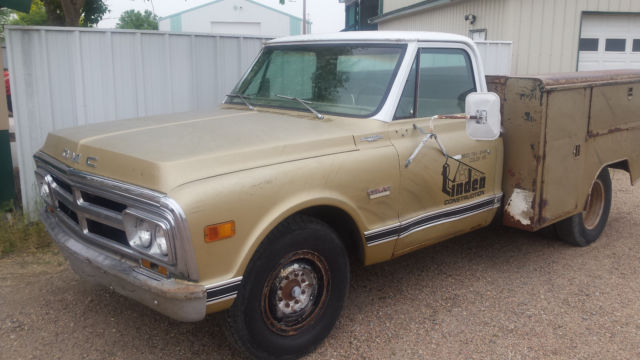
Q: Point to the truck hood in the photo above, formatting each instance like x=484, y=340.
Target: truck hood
x=163, y=152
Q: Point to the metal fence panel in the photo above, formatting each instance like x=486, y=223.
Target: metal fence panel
x=64, y=77
x=496, y=56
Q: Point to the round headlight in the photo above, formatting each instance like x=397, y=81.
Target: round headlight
x=44, y=191
x=147, y=235
x=161, y=241
x=44, y=187
x=141, y=234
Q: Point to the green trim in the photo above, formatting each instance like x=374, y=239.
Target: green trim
x=176, y=24
x=422, y=5
x=19, y=5
x=295, y=26
x=189, y=10
x=7, y=190
x=579, y=36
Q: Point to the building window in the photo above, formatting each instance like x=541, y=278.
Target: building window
x=636, y=45
x=478, y=34
x=588, y=45
x=615, y=44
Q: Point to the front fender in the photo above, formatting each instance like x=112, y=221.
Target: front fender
x=259, y=199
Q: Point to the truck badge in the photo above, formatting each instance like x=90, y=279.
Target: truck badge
x=371, y=138
x=379, y=192
x=91, y=161
x=71, y=155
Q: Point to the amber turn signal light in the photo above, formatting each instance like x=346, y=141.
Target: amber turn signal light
x=154, y=267
x=220, y=231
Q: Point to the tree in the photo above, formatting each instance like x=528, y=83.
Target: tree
x=36, y=15
x=133, y=19
x=5, y=17
x=92, y=12
x=71, y=12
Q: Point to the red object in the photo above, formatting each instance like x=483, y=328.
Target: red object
x=6, y=82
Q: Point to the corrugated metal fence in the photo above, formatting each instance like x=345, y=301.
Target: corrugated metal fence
x=64, y=77
x=496, y=56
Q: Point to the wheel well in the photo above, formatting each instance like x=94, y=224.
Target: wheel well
x=342, y=223
x=621, y=165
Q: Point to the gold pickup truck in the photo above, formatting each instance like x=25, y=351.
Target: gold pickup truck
x=332, y=149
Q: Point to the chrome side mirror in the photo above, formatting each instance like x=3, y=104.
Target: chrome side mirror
x=483, y=116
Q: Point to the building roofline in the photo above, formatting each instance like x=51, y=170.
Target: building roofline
x=217, y=1
x=419, y=6
x=276, y=10
x=189, y=10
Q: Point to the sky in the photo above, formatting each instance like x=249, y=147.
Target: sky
x=326, y=15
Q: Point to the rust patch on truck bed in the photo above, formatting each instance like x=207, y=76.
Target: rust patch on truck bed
x=592, y=134
x=589, y=78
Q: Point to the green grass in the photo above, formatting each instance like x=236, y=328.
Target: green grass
x=18, y=235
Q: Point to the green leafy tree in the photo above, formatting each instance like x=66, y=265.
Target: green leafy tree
x=5, y=18
x=133, y=19
x=62, y=13
x=36, y=15
x=92, y=12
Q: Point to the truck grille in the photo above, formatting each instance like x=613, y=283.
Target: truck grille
x=94, y=216
x=94, y=209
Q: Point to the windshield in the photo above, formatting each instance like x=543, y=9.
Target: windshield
x=351, y=80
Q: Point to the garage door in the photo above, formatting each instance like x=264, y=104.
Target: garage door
x=609, y=42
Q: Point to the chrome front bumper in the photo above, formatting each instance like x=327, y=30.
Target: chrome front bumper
x=180, y=300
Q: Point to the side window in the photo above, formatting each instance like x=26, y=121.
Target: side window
x=446, y=78
x=406, y=104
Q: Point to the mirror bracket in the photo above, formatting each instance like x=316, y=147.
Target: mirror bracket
x=481, y=116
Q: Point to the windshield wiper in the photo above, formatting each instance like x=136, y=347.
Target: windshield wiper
x=243, y=98
x=304, y=103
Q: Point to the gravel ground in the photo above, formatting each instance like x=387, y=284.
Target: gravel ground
x=493, y=294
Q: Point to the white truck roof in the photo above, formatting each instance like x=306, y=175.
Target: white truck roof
x=373, y=36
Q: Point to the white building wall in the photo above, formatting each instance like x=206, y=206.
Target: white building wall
x=164, y=24
x=545, y=33
x=235, y=16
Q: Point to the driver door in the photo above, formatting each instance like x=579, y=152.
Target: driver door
x=450, y=187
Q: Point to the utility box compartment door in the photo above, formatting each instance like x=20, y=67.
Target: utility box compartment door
x=562, y=173
x=613, y=107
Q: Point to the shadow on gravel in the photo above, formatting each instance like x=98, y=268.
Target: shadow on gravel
x=121, y=328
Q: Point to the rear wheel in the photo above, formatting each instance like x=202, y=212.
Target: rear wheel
x=292, y=291
x=584, y=228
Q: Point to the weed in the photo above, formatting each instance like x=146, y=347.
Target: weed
x=18, y=234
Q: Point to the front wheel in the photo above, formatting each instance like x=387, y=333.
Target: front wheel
x=292, y=291
x=584, y=228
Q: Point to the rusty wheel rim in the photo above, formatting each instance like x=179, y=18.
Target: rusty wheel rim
x=595, y=206
x=296, y=292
